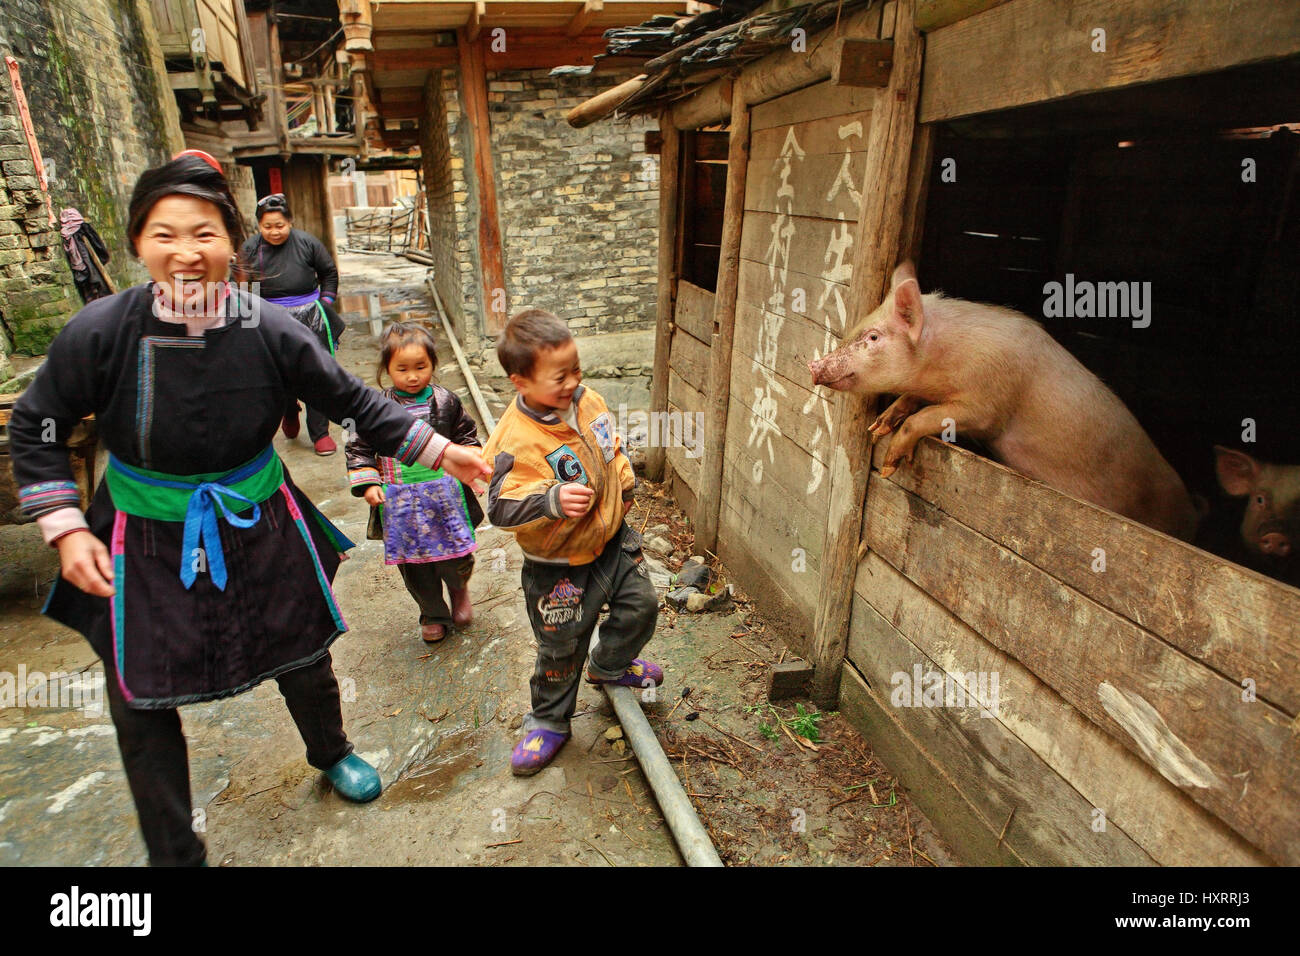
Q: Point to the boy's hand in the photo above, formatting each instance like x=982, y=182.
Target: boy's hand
x=467, y=464
x=374, y=495
x=575, y=499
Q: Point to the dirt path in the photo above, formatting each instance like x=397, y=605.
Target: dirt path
x=439, y=722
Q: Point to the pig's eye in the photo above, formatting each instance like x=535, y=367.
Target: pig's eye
x=1260, y=500
x=873, y=336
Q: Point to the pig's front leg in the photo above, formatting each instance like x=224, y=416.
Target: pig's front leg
x=893, y=416
x=928, y=421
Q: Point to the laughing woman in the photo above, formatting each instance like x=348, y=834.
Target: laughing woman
x=200, y=569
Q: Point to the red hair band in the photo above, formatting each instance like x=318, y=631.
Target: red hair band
x=206, y=157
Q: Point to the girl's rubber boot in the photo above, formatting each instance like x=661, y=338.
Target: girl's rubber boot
x=355, y=779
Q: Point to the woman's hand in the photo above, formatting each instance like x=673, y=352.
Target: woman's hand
x=374, y=495
x=467, y=464
x=86, y=562
x=574, y=499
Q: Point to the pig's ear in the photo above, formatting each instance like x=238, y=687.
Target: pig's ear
x=904, y=272
x=907, y=307
x=1237, y=471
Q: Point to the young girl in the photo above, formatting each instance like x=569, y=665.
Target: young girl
x=200, y=569
x=429, y=526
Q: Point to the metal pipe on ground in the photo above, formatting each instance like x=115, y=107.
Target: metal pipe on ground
x=488, y=420
x=692, y=839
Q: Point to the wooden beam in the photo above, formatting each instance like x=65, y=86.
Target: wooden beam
x=583, y=17
x=780, y=73
x=603, y=104
x=862, y=62
x=473, y=76
x=669, y=171
x=881, y=227
x=1025, y=51
x=330, y=121
x=774, y=75
x=278, y=106
x=918, y=190
x=708, y=107
x=933, y=14
x=430, y=58
x=246, y=48
x=474, y=25
x=191, y=80
x=580, y=51
x=708, y=494
x=355, y=16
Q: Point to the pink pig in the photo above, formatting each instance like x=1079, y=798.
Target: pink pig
x=1002, y=379
x=1272, y=522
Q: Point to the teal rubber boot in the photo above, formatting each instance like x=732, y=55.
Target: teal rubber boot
x=355, y=779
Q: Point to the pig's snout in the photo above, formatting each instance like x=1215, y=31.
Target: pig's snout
x=815, y=367
x=830, y=370
x=1275, y=543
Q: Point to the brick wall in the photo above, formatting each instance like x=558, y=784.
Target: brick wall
x=579, y=207
x=101, y=116
x=441, y=172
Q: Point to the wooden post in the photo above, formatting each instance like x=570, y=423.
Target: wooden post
x=669, y=170
x=278, y=105
x=881, y=231
x=473, y=76
x=708, y=500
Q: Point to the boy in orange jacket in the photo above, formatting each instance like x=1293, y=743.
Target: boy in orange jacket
x=562, y=484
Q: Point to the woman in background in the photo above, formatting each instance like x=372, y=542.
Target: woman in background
x=297, y=271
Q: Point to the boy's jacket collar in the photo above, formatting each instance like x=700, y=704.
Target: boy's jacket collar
x=550, y=418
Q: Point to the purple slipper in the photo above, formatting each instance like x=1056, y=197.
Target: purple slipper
x=535, y=751
x=636, y=675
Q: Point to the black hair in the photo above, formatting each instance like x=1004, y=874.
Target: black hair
x=276, y=202
x=398, y=336
x=183, y=176
x=525, y=335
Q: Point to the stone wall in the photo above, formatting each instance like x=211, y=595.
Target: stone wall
x=442, y=169
x=90, y=72
x=579, y=207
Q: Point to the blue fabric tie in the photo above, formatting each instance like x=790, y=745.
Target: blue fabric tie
x=201, y=530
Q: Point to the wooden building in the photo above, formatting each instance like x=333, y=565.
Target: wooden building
x=409, y=60
x=1145, y=692
x=267, y=97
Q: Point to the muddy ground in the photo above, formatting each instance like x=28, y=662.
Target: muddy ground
x=439, y=721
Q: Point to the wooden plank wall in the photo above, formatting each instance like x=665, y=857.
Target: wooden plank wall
x=217, y=18
x=688, y=376
x=1160, y=691
x=803, y=194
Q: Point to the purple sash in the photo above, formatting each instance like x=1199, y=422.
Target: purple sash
x=426, y=521
x=296, y=301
